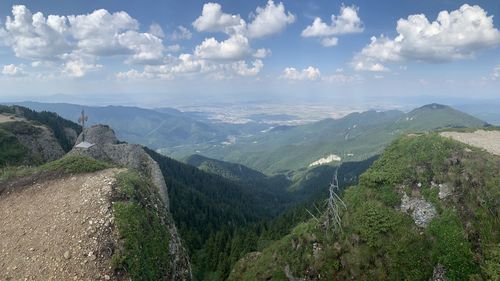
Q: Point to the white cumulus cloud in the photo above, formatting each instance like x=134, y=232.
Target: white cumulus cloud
x=78, y=68
x=347, y=22
x=310, y=73
x=146, y=48
x=181, y=33
x=262, y=53
x=329, y=41
x=75, y=42
x=98, y=33
x=13, y=70
x=269, y=20
x=33, y=36
x=223, y=58
x=213, y=19
x=454, y=35
x=156, y=30
x=266, y=21
x=242, y=68
x=234, y=48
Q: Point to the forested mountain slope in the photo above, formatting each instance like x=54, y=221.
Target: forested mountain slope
x=165, y=128
x=355, y=137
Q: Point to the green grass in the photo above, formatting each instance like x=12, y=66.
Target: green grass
x=20, y=128
x=11, y=150
x=141, y=221
x=380, y=243
x=451, y=248
x=75, y=165
x=67, y=165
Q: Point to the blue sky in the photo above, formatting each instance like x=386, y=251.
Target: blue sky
x=251, y=48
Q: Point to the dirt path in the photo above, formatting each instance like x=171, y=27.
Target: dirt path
x=488, y=140
x=58, y=230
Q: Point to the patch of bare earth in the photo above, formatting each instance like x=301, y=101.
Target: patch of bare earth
x=9, y=118
x=60, y=229
x=487, y=140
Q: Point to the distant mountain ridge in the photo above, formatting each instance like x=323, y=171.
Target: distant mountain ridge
x=164, y=128
x=354, y=137
x=437, y=116
x=259, y=146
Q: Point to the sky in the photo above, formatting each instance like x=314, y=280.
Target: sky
x=249, y=50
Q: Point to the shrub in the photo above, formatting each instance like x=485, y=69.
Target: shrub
x=450, y=248
x=11, y=150
x=371, y=220
x=75, y=165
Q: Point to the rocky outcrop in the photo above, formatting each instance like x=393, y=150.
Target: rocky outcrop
x=444, y=190
x=99, y=135
x=108, y=148
x=39, y=140
x=420, y=210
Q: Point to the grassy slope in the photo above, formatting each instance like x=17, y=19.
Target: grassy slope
x=141, y=220
x=66, y=165
x=464, y=238
x=12, y=152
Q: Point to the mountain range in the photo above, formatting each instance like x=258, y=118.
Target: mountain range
x=398, y=178
x=265, y=147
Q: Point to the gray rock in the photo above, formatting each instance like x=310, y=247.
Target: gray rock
x=42, y=143
x=67, y=255
x=444, y=191
x=98, y=134
x=420, y=210
x=439, y=274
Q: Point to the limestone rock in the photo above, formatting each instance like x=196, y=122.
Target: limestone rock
x=420, y=210
x=439, y=274
x=41, y=142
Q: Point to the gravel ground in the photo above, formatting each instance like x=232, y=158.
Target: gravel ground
x=488, y=140
x=59, y=229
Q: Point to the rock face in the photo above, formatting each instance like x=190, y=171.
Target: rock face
x=107, y=148
x=420, y=210
x=42, y=143
x=98, y=134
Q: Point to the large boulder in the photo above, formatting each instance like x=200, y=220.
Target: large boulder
x=99, y=135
